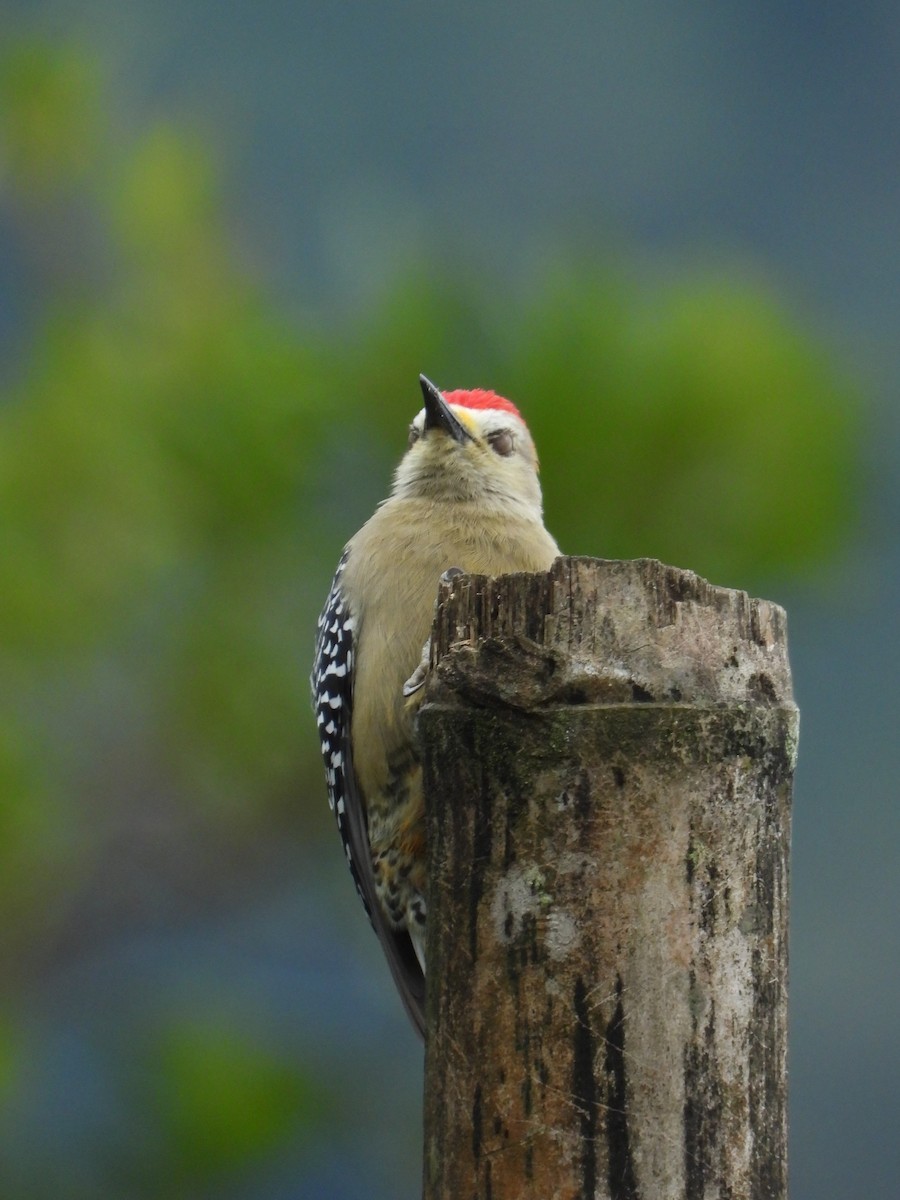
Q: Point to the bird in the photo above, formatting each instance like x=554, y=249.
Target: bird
x=465, y=498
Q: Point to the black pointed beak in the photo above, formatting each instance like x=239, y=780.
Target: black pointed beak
x=439, y=414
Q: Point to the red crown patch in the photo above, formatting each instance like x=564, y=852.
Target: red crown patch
x=479, y=398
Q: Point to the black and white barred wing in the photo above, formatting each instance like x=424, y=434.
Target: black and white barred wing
x=332, y=690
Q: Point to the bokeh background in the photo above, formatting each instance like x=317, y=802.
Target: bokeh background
x=230, y=238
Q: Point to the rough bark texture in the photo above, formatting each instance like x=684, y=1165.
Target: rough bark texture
x=608, y=754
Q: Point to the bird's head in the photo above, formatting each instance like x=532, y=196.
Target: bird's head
x=469, y=446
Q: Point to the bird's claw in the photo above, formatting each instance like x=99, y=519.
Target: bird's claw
x=420, y=674
x=416, y=681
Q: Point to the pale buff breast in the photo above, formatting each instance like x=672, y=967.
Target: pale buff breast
x=396, y=561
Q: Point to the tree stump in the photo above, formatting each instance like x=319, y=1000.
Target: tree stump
x=608, y=754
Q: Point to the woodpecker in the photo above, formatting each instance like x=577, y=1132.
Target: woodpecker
x=465, y=496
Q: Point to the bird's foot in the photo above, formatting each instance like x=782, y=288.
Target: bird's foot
x=416, y=681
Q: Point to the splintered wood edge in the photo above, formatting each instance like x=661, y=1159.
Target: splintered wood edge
x=667, y=633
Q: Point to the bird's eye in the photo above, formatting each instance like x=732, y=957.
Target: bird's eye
x=414, y=436
x=502, y=442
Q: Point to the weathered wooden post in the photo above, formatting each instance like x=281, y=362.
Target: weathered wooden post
x=608, y=754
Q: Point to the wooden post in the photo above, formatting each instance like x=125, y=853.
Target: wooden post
x=608, y=756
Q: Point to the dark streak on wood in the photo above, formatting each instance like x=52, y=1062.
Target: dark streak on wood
x=476, y=1123
x=584, y=1088
x=620, y=1176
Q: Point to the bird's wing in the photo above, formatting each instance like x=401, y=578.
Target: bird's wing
x=332, y=687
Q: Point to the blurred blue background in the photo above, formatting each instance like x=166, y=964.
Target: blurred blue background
x=230, y=238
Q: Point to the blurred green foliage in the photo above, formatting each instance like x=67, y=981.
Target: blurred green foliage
x=181, y=460
x=49, y=116
x=223, y=1100
x=9, y=1059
